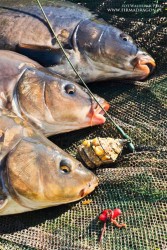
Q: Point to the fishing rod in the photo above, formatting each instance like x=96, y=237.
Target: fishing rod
x=120, y=130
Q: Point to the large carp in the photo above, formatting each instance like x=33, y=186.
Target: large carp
x=97, y=50
x=35, y=173
x=48, y=101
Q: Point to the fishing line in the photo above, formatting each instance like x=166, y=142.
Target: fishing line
x=121, y=131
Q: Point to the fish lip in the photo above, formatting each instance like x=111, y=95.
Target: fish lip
x=90, y=187
x=145, y=64
x=96, y=114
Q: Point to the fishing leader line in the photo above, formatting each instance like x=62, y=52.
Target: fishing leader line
x=120, y=130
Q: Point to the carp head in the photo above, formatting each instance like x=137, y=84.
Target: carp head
x=39, y=175
x=110, y=53
x=54, y=104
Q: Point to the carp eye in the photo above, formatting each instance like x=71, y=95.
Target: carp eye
x=65, y=167
x=70, y=89
x=124, y=37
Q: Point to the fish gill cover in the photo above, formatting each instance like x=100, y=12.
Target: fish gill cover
x=137, y=183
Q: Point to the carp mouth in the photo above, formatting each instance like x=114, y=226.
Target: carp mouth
x=89, y=188
x=96, y=113
x=145, y=64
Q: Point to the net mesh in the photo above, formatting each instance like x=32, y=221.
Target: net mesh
x=136, y=183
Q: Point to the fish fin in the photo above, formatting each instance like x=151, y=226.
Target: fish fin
x=5, y=151
x=3, y=202
x=100, y=21
x=12, y=137
x=44, y=55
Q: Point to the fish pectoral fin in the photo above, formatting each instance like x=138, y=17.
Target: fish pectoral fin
x=44, y=55
x=3, y=202
x=32, y=46
x=12, y=137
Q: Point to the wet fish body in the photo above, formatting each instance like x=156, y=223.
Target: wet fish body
x=97, y=50
x=44, y=98
x=35, y=173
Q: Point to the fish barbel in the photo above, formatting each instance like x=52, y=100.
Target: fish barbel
x=35, y=173
x=97, y=50
x=48, y=101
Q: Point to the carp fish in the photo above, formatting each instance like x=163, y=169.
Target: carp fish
x=48, y=101
x=97, y=50
x=35, y=173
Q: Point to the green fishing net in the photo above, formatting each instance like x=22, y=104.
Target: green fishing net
x=136, y=183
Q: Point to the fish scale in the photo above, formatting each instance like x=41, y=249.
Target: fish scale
x=34, y=172
x=104, y=53
x=26, y=183
x=43, y=98
x=97, y=50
